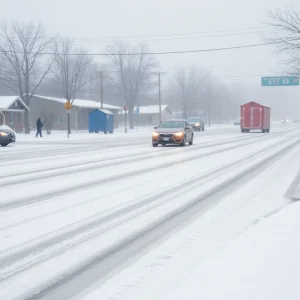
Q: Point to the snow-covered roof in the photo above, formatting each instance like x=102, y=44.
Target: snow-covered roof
x=151, y=109
x=80, y=103
x=7, y=101
x=107, y=112
x=256, y=103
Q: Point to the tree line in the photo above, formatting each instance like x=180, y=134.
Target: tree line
x=32, y=62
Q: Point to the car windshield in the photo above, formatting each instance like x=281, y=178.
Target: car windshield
x=171, y=124
x=195, y=119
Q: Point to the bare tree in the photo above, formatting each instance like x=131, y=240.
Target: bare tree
x=189, y=82
x=70, y=73
x=131, y=68
x=286, y=35
x=21, y=49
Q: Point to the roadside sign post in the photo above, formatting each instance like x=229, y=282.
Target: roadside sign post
x=280, y=81
x=137, y=117
x=125, y=110
x=68, y=106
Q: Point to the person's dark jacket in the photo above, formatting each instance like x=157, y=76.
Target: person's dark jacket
x=39, y=124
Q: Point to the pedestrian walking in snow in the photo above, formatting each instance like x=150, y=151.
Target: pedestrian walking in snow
x=39, y=126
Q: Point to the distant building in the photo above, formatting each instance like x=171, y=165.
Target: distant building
x=12, y=110
x=53, y=108
x=149, y=115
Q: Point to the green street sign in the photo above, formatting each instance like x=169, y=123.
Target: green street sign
x=280, y=81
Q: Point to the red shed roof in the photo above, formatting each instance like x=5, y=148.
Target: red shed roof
x=256, y=103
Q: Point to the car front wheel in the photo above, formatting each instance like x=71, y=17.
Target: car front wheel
x=191, y=142
x=183, y=142
x=4, y=144
x=154, y=145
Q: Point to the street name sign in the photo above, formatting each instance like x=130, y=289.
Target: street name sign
x=280, y=81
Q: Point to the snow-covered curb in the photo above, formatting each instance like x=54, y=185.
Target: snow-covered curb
x=296, y=194
x=262, y=264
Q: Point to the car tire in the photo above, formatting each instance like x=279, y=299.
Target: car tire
x=183, y=142
x=191, y=142
x=154, y=145
x=4, y=144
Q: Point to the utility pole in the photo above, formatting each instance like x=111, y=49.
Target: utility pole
x=101, y=87
x=209, y=100
x=101, y=76
x=159, y=97
x=91, y=86
x=159, y=92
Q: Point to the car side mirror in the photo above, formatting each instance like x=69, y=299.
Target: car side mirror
x=155, y=127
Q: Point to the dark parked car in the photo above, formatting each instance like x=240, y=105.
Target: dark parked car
x=6, y=137
x=173, y=132
x=197, y=123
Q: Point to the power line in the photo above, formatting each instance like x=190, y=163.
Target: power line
x=161, y=53
x=95, y=40
x=171, y=36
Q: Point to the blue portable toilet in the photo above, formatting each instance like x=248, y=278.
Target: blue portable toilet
x=101, y=120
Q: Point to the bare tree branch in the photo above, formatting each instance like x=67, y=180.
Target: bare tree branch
x=21, y=51
x=130, y=73
x=286, y=34
x=70, y=73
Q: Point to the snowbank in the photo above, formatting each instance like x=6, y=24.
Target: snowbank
x=296, y=194
x=262, y=264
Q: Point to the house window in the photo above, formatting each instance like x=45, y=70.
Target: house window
x=60, y=119
x=11, y=118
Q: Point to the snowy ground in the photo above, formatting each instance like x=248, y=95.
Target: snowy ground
x=110, y=217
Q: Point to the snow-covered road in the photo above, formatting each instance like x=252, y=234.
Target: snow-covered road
x=106, y=216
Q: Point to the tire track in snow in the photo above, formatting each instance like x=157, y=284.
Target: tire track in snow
x=78, y=148
x=155, y=227
x=55, y=243
x=101, y=163
x=24, y=201
x=63, y=152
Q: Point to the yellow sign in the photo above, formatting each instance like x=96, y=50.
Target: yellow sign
x=68, y=105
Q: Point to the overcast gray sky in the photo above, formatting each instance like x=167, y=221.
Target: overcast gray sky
x=99, y=20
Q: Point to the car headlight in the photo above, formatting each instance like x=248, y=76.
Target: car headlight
x=155, y=134
x=3, y=134
x=179, y=134
x=197, y=124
